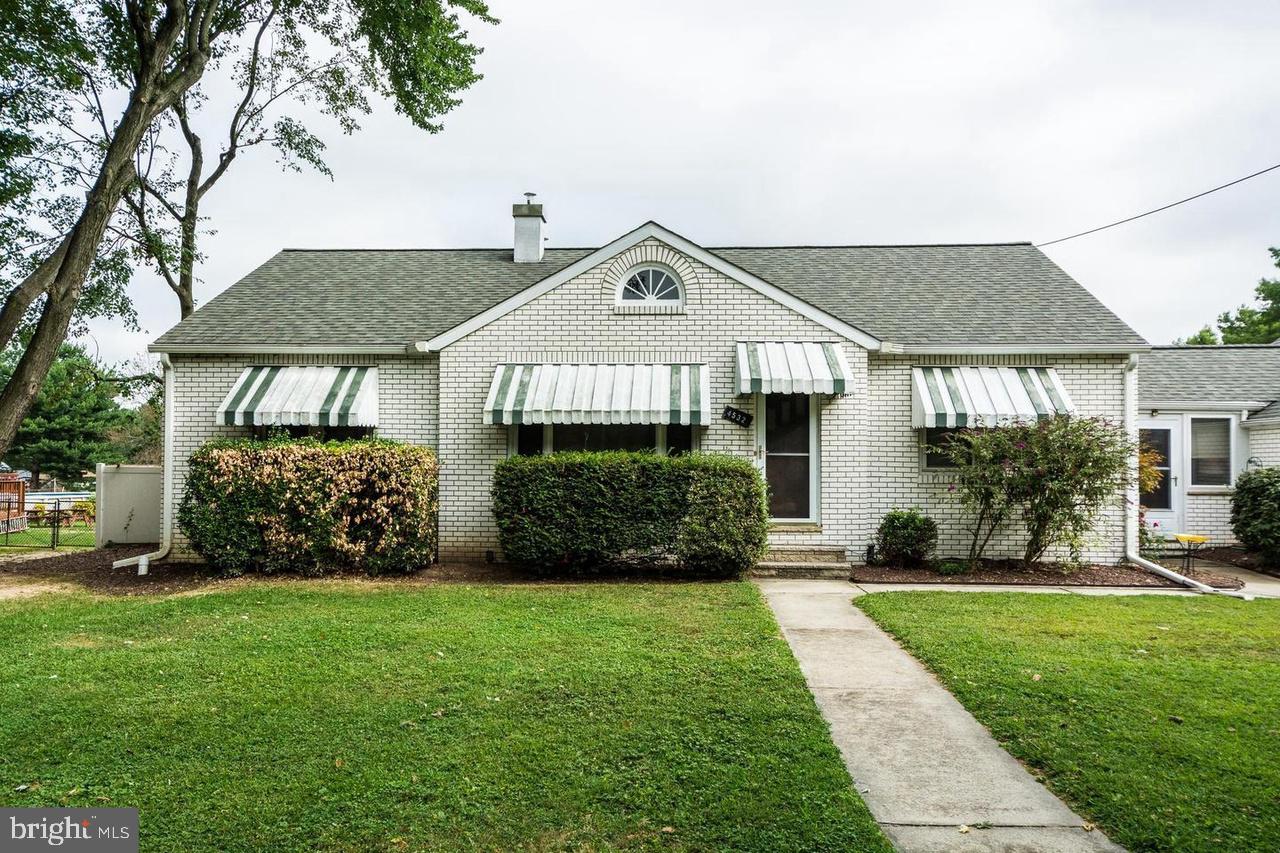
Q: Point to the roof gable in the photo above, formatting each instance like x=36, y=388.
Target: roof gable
x=622, y=244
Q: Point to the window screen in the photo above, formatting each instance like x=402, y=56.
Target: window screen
x=322, y=433
x=603, y=437
x=1210, y=451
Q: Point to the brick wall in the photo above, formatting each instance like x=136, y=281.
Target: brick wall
x=869, y=454
x=895, y=478
x=1264, y=445
x=577, y=321
x=1210, y=515
x=407, y=389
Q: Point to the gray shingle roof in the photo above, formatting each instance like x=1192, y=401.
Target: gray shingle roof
x=352, y=297
x=997, y=294
x=1004, y=294
x=1271, y=412
x=1209, y=374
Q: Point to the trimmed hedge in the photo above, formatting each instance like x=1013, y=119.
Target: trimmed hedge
x=579, y=513
x=1255, y=512
x=311, y=507
x=906, y=537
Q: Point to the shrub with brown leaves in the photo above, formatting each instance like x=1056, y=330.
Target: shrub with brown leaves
x=311, y=507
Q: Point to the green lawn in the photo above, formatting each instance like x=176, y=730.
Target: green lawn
x=74, y=538
x=334, y=716
x=1157, y=717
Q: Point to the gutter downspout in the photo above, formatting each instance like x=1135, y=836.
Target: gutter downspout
x=1131, y=512
x=143, y=561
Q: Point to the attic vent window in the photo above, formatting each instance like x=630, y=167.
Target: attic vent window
x=650, y=289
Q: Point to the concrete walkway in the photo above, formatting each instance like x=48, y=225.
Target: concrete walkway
x=933, y=777
x=1255, y=583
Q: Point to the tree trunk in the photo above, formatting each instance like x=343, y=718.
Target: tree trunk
x=154, y=91
x=187, y=261
x=21, y=297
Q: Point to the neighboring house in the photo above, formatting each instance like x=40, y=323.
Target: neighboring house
x=847, y=360
x=1211, y=412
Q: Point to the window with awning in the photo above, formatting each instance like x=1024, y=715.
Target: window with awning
x=279, y=395
x=792, y=367
x=599, y=394
x=954, y=397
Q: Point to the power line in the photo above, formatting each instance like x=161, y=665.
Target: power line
x=1158, y=209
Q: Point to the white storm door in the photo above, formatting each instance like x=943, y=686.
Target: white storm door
x=1164, y=504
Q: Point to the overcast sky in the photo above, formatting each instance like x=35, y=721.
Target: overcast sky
x=766, y=123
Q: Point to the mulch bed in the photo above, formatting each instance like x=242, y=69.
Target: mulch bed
x=1004, y=572
x=1236, y=556
x=92, y=571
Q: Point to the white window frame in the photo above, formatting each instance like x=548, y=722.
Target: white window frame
x=548, y=439
x=815, y=458
x=665, y=305
x=1235, y=449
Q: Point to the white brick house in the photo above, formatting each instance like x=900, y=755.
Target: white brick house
x=846, y=359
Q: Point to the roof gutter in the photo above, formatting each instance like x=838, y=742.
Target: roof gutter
x=143, y=561
x=1131, y=512
x=1015, y=349
x=276, y=349
x=1203, y=405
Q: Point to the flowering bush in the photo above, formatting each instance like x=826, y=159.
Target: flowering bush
x=568, y=513
x=1055, y=475
x=300, y=505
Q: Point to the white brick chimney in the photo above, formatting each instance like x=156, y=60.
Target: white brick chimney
x=529, y=222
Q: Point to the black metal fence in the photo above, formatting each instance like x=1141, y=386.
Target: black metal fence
x=44, y=524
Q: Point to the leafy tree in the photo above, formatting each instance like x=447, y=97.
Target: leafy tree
x=150, y=56
x=281, y=72
x=1258, y=324
x=1206, y=337
x=42, y=57
x=68, y=429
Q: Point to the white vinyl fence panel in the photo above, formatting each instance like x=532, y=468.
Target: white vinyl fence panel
x=128, y=504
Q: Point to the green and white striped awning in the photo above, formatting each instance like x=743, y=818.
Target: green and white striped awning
x=599, y=394
x=985, y=396
x=302, y=396
x=791, y=367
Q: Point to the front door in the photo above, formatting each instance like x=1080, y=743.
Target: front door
x=789, y=444
x=1164, y=503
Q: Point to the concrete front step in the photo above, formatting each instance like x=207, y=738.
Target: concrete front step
x=795, y=569
x=805, y=554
